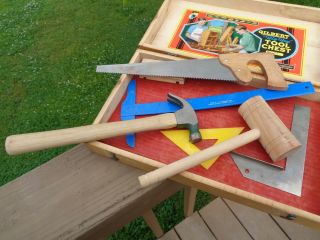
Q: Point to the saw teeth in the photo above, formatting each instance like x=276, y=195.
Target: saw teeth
x=198, y=78
x=210, y=69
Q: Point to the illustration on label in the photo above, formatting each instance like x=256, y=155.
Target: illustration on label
x=211, y=34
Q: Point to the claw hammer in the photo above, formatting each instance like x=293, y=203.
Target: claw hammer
x=183, y=118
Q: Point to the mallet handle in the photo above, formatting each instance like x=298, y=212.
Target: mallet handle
x=197, y=158
x=28, y=142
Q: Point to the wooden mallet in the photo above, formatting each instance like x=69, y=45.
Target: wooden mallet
x=265, y=125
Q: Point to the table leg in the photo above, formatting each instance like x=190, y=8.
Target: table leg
x=189, y=200
x=153, y=223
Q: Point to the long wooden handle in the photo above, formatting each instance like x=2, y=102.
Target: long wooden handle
x=28, y=142
x=197, y=158
x=238, y=64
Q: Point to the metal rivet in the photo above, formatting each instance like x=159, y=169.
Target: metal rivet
x=290, y=217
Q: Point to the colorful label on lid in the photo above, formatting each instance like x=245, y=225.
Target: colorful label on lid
x=210, y=34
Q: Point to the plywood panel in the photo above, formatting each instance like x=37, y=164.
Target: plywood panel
x=152, y=144
x=311, y=70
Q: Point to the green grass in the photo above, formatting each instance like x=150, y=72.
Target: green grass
x=48, y=54
x=49, y=51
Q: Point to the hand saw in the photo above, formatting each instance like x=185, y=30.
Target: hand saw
x=227, y=67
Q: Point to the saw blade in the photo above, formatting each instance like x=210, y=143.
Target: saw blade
x=195, y=68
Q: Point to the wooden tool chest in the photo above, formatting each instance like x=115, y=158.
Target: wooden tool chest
x=164, y=40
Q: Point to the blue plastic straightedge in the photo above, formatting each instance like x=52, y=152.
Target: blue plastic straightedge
x=129, y=109
x=218, y=101
x=128, y=102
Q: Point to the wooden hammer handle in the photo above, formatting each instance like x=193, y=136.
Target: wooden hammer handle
x=197, y=158
x=239, y=63
x=28, y=142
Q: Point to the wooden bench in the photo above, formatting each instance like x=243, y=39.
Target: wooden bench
x=77, y=195
x=227, y=220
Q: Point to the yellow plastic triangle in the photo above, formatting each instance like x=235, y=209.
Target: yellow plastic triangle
x=181, y=139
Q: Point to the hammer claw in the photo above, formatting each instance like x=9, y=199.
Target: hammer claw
x=175, y=99
x=186, y=117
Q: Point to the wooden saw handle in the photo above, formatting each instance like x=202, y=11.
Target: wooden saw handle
x=28, y=142
x=238, y=64
x=193, y=160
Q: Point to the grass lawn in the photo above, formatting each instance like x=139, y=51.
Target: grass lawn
x=48, y=54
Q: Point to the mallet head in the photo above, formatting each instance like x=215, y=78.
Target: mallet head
x=275, y=137
x=186, y=117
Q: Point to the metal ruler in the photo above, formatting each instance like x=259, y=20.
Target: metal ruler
x=289, y=180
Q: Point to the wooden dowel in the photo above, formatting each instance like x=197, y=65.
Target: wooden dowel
x=197, y=158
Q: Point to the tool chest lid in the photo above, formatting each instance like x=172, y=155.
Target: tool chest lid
x=204, y=29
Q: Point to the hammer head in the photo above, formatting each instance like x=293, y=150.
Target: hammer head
x=186, y=117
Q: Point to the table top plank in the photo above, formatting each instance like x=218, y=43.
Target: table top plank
x=230, y=220
x=222, y=221
x=297, y=231
x=259, y=224
x=171, y=235
x=194, y=227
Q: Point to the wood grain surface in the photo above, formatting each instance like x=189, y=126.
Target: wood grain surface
x=76, y=195
x=227, y=220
